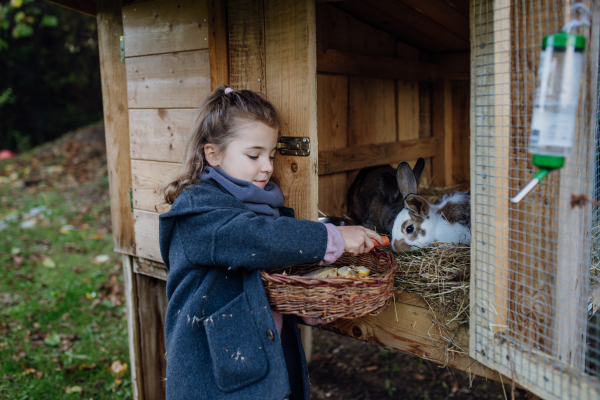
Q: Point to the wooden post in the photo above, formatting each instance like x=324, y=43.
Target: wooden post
x=217, y=43
x=133, y=327
x=116, y=123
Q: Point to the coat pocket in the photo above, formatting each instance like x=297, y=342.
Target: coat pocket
x=236, y=348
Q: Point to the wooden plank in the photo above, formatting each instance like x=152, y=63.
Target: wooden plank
x=342, y=62
x=444, y=14
x=291, y=68
x=133, y=327
x=337, y=30
x=147, y=177
x=247, y=63
x=159, y=134
x=146, y=233
x=164, y=26
x=349, y=158
x=573, y=259
x=332, y=119
x=116, y=124
x=371, y=111
x=150, y=268
x=217, y=43
x=405, y=23
x=176, y=80
x=87, y=7
x=409, y=328
x=461, y=132
x=152, y=301
x=407, y=110
x=443, y=162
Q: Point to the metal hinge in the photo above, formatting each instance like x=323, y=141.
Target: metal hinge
x=122, y=49
x=294, y=146
x=131, y=199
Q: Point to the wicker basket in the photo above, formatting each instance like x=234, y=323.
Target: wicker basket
x=337, y=297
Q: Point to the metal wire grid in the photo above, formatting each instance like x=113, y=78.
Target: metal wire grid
x=525, y=296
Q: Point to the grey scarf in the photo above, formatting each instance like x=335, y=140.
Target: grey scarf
x=264, y=202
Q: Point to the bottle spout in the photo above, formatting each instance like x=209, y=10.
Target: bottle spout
x=541, y=174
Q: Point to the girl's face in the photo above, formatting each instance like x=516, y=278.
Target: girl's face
x=250, y=156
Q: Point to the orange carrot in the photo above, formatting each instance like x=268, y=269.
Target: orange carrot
x=386, y=242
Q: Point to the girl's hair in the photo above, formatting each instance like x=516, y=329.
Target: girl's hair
x=217, y=121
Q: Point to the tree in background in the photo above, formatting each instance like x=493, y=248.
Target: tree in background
x=49, y=72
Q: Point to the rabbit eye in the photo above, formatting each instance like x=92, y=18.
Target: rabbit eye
x=410, y=229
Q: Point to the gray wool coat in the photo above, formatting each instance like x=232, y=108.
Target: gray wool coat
x=221, y=339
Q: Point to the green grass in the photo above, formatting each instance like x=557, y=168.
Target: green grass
x=62, y=313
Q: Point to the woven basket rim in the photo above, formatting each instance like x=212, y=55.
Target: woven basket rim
x=337, y=281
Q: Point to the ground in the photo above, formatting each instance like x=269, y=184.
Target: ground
x=63, y=330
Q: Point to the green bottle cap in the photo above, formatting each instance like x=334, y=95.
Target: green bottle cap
x=564, y=39
x=547, y=162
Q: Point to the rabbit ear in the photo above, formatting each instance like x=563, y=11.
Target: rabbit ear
x=389, y=187
x=417, y=205
x=405, y=179
x=418, y=169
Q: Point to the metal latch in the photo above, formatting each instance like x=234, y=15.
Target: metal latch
x=294, y=146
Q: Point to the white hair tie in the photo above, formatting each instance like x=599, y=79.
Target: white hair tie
x=228, y=90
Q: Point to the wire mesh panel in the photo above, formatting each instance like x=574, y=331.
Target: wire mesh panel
x=532, y=288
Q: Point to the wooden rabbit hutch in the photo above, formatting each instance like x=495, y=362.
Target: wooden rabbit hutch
x=368, y=82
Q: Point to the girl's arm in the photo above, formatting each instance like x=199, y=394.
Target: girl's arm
x=237, y=239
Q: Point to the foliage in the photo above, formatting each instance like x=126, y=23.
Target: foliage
x=63, y=331
x=50, y=80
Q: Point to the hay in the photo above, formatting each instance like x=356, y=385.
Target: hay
x=441, y=276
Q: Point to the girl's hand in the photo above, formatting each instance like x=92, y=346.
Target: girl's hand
x=358, y=239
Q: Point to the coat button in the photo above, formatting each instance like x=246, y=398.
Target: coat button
x=270, y=334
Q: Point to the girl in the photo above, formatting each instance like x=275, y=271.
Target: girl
x=226, y=223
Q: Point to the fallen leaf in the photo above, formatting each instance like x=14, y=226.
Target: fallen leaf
x=28, y=370
x=118, y=381
x=372, y=368
x=52, y=340
x=101, y=259
x=88, y=367
x=38, y=375
x=119, y=367
x=418, y=377
x=48, y=263
x=18, y=261
x=73, y=389
x=98, y=236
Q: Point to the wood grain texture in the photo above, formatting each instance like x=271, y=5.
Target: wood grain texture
x=407, y=110
x=247, y=62
x=176, y=80
x=150, y=268
x=356, y=157
x=453, y=66
x=341, y=62
x=164, y=26
x=146, y=233
x=87, y=7
x=461, y=168
x=406, y=24
x=152, y=302
x=337, y=30
x=443, y=14
x=133, y=327
x=159, y=134
x=291, y=69
x=332, y=119
x=371, y=111
x=147, y=177
x=218, y=43
x=443, y=162
x=116, y=124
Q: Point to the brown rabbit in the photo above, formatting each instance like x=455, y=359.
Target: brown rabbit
x=374, y=199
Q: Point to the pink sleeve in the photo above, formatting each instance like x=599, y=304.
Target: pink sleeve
x=335, y=244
